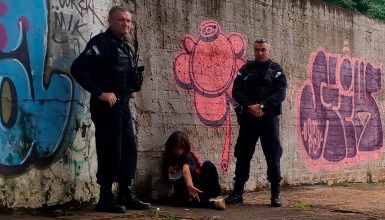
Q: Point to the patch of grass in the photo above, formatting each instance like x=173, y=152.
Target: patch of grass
x=171, y=218
x=301, y=205
x=156, y=215
x=152, y=213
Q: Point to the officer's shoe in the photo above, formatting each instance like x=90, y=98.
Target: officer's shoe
x=234, y=199
x=276, y=201
x=127, y=199
x=109, y=206
x=134, y=204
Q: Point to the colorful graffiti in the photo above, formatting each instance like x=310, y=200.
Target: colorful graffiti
x=207, y=67
x=34, y=112
x=338, y=119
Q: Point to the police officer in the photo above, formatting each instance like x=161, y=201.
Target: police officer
x=107, y=68
x=259, y=88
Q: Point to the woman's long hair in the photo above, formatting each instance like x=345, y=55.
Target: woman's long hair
x=178, y=138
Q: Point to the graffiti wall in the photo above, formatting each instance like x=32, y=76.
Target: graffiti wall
x=30, y=104
x=45, y=130
x=332, y=121
x=339, y=122
x=207, y=67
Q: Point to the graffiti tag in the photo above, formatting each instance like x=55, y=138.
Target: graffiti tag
x=338, y=119
x=207, y=67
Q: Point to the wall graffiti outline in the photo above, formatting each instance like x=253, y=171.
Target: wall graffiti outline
x=338, y=120
x=207, y=67
x=34, y=120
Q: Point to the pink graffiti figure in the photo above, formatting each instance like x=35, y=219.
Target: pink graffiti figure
x=207, y=67
x=338, y=119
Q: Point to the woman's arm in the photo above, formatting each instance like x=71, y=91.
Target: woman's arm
x=193, y=191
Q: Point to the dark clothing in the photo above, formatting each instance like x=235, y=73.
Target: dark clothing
x=116, y=145
x=105, y=66
x=259, y=83
x=207, y=181
x=193, y=162
x=265, y=128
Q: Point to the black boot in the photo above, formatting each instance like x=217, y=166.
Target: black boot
x=236, y=197
x=107, y=202
x=275, y=190
x=127, y=198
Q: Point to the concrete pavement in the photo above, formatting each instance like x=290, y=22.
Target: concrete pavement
x=345, y=201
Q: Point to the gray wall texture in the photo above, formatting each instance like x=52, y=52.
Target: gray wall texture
x=331, y=129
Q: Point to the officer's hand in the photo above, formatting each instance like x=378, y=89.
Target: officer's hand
x=133, y=95
x=194, y=193
x=256, y=110
x=108, y=97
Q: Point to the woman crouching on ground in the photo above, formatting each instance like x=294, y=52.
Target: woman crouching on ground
x=195, y=184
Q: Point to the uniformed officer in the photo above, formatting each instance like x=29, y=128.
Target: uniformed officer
x=107, y=68
x=259, y=88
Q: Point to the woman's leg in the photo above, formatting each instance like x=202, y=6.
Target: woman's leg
x=210, y=181
x=211, y=187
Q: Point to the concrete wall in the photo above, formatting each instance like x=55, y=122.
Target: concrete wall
x=47, y=153
x=331, y=128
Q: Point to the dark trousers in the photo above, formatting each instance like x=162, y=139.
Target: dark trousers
x=116, y=145
x=251, y=130
x=207, y=181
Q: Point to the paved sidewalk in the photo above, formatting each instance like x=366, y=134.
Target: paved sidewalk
x=348, y=201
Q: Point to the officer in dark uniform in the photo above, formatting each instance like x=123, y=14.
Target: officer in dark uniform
x=107, y=68
x=259, y=88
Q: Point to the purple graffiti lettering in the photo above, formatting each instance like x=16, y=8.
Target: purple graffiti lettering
x=338, y=117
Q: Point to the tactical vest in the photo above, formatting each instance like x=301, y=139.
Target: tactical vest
x=258, y=84
x=119, y=73
x=123, y=67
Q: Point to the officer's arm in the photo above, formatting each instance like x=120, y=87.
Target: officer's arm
x=279, y=91
x=84, y=66
x=238, y=90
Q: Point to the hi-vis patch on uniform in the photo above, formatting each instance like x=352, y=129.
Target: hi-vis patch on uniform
x=278, y=74
x=96, y=49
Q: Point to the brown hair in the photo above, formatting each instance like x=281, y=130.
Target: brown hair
x=178, y=138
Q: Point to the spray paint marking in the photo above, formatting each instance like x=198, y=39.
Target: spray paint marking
x=207, y=66
x=34, y=114
x=338, y=119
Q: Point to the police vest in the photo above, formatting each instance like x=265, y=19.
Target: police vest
x=119, y=73
x=258, y=83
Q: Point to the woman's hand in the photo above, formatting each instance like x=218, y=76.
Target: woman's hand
x=194, y=192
